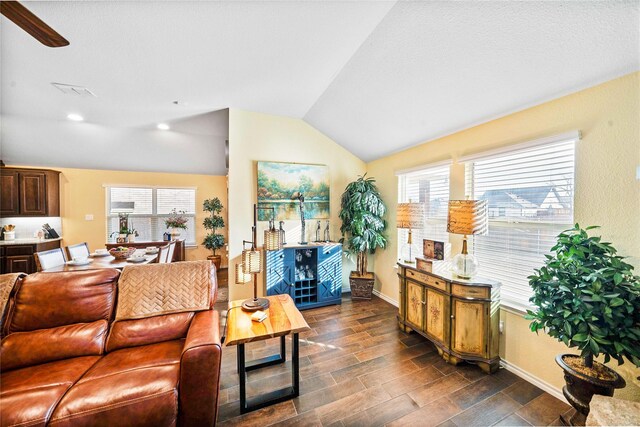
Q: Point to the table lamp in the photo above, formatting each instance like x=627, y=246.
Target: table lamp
x=252, y=259
x=467, y=217
x=410, y=215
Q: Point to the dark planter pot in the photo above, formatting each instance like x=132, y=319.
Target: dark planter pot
x=361, y=286
x=216, y=260
x=580, y=388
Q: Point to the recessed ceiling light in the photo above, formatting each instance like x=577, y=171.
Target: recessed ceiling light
x=163, y=126
x=75, y=117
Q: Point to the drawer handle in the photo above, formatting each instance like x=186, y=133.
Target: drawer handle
x=453, y=317
x=424, y=303
x=281, y=255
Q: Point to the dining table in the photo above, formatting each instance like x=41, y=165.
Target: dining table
x=107, y=261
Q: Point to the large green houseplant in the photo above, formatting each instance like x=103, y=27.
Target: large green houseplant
x=363, y=226
x=213, y=240
x=588, y=298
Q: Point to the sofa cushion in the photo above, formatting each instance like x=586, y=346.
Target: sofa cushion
x=48, y=300
x=46, y=345
x=29, y=395
x=151, y=330
x=137, y=383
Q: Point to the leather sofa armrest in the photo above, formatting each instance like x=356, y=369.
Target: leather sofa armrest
x=200, y=371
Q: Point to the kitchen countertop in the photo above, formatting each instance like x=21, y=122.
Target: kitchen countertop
x=31, y=241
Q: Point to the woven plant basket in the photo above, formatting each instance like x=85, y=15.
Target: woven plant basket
x=361, y=287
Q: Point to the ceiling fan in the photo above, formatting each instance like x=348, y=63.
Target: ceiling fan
x=25, y=19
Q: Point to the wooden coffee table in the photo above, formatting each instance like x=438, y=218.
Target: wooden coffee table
x=283, y=318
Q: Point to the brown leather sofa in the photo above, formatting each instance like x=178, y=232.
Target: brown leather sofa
x=64, y=361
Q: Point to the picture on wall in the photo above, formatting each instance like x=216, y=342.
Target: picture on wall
x=278, y=182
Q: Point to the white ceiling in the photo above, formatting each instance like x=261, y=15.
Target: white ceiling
x=374, y=76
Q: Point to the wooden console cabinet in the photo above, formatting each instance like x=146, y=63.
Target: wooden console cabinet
x=310, y=274
x=29, y=192
x=461, y=317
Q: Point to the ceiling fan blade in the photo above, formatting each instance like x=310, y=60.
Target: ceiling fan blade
x=33, y=25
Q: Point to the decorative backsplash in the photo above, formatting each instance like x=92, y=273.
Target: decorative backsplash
x=26, y=227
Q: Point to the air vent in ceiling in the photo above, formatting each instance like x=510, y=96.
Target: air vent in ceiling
x=73, y=90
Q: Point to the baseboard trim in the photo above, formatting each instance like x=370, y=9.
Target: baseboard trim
x=385, y=298
x=533, y=380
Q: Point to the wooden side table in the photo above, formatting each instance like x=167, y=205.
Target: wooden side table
x=283, y=318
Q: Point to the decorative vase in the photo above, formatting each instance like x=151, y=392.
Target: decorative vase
x=580, y=388
x=175, y=233
x=361, y=286
x=131, y=238
x=122, y=238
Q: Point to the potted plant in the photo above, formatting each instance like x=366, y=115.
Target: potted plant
x=176, y=222
x=213, y=241
x=363, y=228
x=588, y=298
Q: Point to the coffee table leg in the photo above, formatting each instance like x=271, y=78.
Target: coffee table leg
x=295, y=371
x=242, y=373
x=283, y=349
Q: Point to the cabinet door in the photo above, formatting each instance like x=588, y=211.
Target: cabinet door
x=33, y=197
x=415, y=304
x=20, y=264
x=329, y=273
x=468, y=327
x=279, y=272
x=437, y=313
x=9, y=200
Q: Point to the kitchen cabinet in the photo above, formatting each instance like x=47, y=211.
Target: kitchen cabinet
x=29, y=192
x=17, y=257
x=310, y=274
x=461, y=317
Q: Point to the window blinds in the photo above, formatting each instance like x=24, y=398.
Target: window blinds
x=530, y=200
x=429, y=186
x=151, y=207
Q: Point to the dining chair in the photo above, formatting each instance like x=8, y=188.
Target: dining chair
x=163, y=253
x=172, y=248
x=49, y=259
x=81, y=250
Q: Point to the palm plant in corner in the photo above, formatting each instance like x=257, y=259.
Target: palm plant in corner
x=588, y=298
x=213, y=240
x=362, y=228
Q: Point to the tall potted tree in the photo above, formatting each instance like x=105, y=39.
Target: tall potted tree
x=213, y=240
x=588, y=298
x=362, y=209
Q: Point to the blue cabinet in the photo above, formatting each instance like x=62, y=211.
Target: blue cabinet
x=311, y=274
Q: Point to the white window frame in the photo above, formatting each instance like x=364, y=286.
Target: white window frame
x=157, y=219
x=430, y=223
x=516, y=284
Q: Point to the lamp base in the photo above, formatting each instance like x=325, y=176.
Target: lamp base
x=464, y=266
x=255, y=304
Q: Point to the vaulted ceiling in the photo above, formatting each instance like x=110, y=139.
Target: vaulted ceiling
x=375, y=76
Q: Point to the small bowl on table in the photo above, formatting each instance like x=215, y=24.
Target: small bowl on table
x=121, y=252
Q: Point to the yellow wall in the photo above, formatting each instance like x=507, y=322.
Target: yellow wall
x=82, y=192
x=607, y=192
x=261, y=137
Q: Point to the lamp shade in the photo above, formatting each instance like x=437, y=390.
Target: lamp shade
x=241, y=276
x=273, y=240
x=410, y=215
x=468, y=217
x=251, y=261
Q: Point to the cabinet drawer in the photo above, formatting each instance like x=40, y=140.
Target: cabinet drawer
x=428, y=280
x=12, y=250
x=470, y=292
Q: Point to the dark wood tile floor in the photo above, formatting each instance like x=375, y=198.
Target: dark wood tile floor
x=358, y=369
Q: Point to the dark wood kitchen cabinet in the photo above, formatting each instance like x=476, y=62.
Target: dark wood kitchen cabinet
x=18, y=257
x=29, y=192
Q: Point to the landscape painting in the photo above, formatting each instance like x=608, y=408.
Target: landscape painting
x=278, y=182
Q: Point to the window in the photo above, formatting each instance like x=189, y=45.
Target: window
x=529, y=190
x=151, y=206
x=430, y=186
